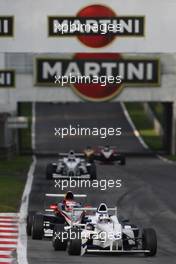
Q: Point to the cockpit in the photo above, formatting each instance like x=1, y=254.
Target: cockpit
x=106, y=149
x=104, y=219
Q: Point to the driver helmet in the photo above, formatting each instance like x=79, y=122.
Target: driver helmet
x=71, y=153
x=71, y=159
x=71, y=156
x=107, y=148
x=69, y=196
x=69, y=205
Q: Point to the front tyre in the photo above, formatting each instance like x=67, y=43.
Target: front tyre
x=149, y=242
x=37, y=227
x=29, y=222
x=75, y=244
x=50, y=169
x=123, y=160
x=59, y=240
x=93, y=172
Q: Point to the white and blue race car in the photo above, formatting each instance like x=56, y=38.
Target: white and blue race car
x=71, y=165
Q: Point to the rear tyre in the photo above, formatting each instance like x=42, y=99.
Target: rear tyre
x=60, y=220
x=122, y=160
x=149, y=242
x=90, y=159
x=50, y=169
x=37, y=227
x=59, y=240
x=75, y=244
x=29, y=222
x=93, y=172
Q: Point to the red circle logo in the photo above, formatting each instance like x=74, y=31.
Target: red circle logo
x=94, y=91
x=96, y=11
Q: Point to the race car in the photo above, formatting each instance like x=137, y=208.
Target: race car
x=71, y=165
x=107, y=154
x=89, y=154
x=42, y=224
x=104, y=232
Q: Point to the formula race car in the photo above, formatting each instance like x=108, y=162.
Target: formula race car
x=105, y=154
x=41, y=225
x=103, y=232
x=89, y=154
x=71, y=165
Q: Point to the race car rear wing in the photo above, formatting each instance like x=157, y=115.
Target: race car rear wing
x=77, y=155
x=63, y=195
x=111, y=147
x=94, y=208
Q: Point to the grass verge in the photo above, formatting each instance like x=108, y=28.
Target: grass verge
x=144, y=126
x=13, y=175
x=171, y=157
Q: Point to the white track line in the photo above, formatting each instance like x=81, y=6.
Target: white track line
x=22, y=238
x=135, y=131
x=137, y=134
x=165, y=160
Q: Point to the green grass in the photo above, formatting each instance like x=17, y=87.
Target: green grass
x=12, y=180
x=171, y=157
x=144, y=126
x=158, y=110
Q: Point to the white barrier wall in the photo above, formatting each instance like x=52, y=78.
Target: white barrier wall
x=2, y=60
x=31, y=29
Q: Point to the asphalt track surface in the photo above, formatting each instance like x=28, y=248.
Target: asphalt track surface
x=88, y=115
x=147, y=197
